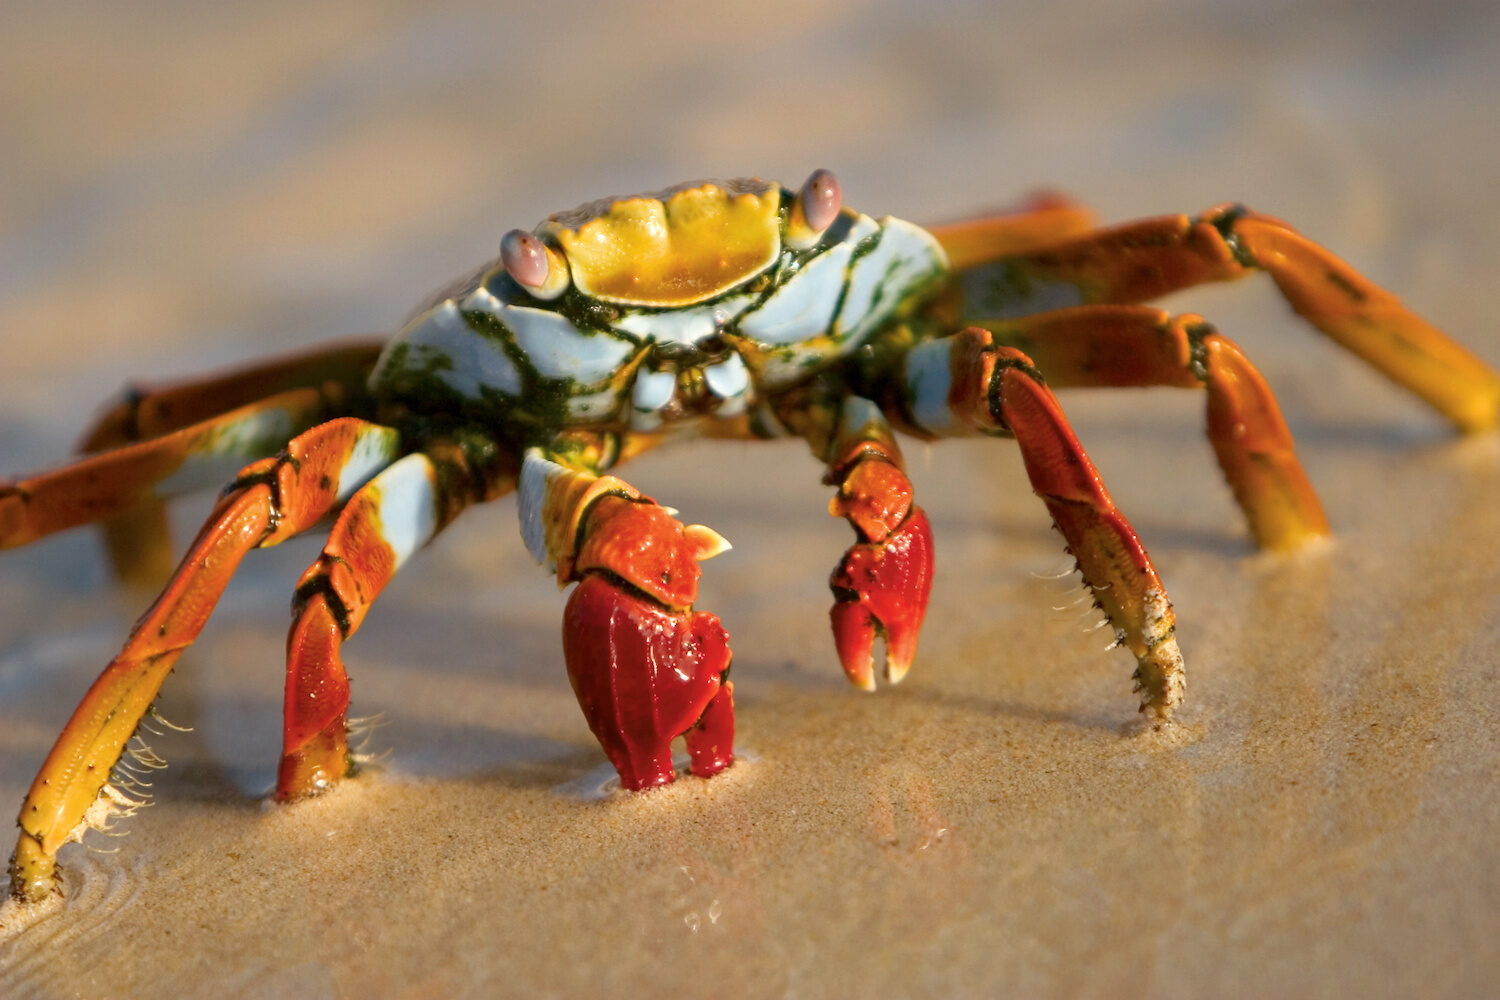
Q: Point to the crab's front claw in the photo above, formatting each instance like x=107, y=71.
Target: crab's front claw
x=645, y=666
x=644, y=675
x=881, y=588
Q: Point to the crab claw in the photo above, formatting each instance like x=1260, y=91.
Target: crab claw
x=881, y=588
x=644, y=675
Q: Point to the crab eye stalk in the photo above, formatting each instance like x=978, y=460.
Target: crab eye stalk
x=533, y=265
x=817, y=205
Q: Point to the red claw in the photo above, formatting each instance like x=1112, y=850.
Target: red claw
x=882, y=589
x=645, y=675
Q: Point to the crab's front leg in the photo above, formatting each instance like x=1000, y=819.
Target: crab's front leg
x=645, y=666
x=882, y=584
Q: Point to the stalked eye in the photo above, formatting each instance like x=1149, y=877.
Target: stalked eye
x=821, y=199
x=535, y=266
x=817, y=205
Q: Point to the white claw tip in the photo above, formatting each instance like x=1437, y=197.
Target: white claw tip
x=708, y=541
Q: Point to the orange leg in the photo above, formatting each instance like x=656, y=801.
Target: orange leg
x=1039, y=220
x=966, y=384
x=645, y=666
x=390, y=517
x=1140, y=346
x=78, y=787
x=139, y=546
x=882, y=584
x=149, y=411
x=1142, y=260
x=113, y=482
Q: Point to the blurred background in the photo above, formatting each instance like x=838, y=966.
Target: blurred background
x=184, y=186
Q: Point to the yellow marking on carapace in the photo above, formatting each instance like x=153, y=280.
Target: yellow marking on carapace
x=672, y=248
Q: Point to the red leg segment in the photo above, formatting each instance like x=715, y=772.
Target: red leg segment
x=391, y=516
x=1111, y=345
x=1146, y=259
x=273, y=500
x=645, y=666
x=882, y=584
x=993, y=388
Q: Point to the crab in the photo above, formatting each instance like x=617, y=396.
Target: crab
x=739, y=309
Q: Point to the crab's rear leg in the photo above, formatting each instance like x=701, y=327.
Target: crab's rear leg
x=966, y=384
x=1040, y=219
x=138, y=542
x=1142, y=260
x=883, y=582
x=114, y=482
x=271, y=501
x=391, y=516
x=645, y=666
x=1109, y=345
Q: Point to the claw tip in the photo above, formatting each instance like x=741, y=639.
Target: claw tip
x=895, y=672
x=708, y=541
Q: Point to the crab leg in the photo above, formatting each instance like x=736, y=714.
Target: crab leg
x=139, y=546
x=113, y=482
x=149, y=411
x=966, y=384
x=1039, y=220
x=645, y=666
x=391, y=516
x=882, y=584
x=1109, y=345
x=77, y=787
x=1142, y=260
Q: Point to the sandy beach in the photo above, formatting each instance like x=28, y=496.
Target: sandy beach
x=185, y=187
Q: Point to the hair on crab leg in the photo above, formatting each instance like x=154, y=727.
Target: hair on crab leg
x=966, y=384
x=1110, y=556
x=388, y=519
x=271, y=501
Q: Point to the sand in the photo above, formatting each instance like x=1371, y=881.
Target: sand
x=187, y=187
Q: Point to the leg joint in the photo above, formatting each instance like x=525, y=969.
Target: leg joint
x=1225, y=220
x=1199, y=332
x=320, y=584
x=1006, y=359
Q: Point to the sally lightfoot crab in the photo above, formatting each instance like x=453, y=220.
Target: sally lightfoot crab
x=734, y=310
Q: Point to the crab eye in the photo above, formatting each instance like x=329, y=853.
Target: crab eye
x=821, y=199
x=535, y=266
x=817, y=205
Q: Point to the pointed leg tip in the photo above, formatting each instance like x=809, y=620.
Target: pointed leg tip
x=1161, y=681
x=33, y=872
